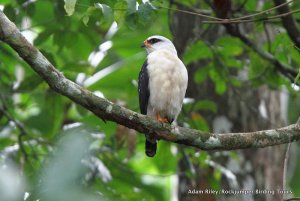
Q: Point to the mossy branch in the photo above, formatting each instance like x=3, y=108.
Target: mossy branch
x=107, y=110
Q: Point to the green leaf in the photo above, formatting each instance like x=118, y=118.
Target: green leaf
x=199, y=122
x=49, y=119
x=30, y=83
x=119, y=11
x=220, y=87
x=132, y=21
x=214, y=74
x=131, y=6
x=297, y=77
x=230, y=46
x=85, y=19
x=87, y=14
x=220, y=84
x=258, y=67
x=232, y=62
x=235, y=82
x=206, y=105
x=200, y=75
x=3, y=2
x=70, y=6
x=44, y=12
x=197, y=51
x=251, y=5
x=59, y=39
x=106, y=10
x=145, y=11
x=162, y=3
x=30, y=9
x=42, y=37
x=10, y=12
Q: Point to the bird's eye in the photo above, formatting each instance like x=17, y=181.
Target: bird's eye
x=154, y=40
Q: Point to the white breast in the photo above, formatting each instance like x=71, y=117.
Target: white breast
x=167, y=83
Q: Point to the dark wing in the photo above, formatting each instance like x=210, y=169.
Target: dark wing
x=144, y=94
x=143, y=88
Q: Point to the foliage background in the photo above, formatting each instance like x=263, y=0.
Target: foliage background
x=56, y=150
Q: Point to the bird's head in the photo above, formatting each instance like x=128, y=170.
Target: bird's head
x=156, y=42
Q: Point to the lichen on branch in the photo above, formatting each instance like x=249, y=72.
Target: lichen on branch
x=107, y=110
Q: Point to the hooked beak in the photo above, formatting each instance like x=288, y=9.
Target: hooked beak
x=146, y=44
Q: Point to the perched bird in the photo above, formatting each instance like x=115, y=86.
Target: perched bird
x=162, y=83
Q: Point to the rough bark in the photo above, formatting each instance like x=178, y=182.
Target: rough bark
x=112, y=112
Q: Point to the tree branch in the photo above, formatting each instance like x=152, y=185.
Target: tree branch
x=144, y=124
x=234, y=30
x=222, y=19
x=288, y=22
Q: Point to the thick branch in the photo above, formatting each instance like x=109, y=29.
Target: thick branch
x=112, y=112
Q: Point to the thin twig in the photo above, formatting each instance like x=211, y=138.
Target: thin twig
x=20, y=127
x=266, y=18
x=228, y=21
x=263, y=12
x=192, y=13
x=243, y=19
x=284, y=14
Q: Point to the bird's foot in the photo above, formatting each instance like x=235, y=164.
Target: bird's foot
x=163, y=120
x=160, y=119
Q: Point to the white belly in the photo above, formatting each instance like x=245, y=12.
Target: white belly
x=167, y=84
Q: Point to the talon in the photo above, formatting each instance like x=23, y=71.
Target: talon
x=160, y=119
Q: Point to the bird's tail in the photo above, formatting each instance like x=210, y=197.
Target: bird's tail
x=150, y=148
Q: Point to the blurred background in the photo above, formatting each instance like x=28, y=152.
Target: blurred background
x=242, y=77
